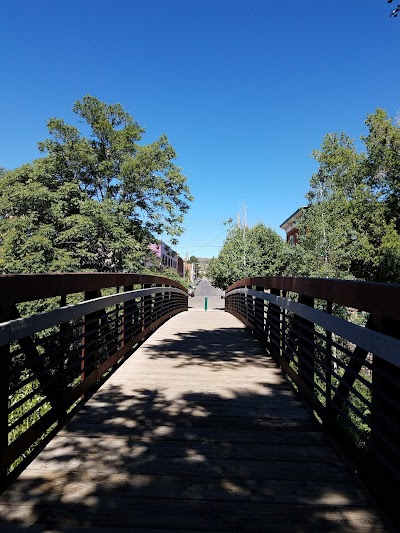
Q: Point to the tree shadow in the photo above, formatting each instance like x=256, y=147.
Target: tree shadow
x=218, y=351
x=187, y=454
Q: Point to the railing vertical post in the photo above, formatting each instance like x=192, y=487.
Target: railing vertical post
x=259, y=312
x=127, y=319
x=253, y=310
x=64, y=326
x=5, y=358
x=385, y=395
x=245, y=310
x=60, y=383
x=158, y=303
x=306, y=347
x=168, y=300
x=231, y=303
x=329, y=365
x=353, y=369
x=186, y=302
x=273, y=329
x=89, y=338
x=147, y=308
x=283, y=329
x=249, y=305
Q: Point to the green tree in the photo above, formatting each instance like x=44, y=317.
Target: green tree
x=255, y=251
x=382, y=167
x=91, y=202
x=389, y=265
x=348, y=229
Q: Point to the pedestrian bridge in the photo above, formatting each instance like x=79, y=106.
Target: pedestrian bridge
x=122, y=408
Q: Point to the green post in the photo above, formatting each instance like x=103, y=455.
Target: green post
x=205, y=303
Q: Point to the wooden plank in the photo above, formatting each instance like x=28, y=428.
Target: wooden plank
x=167, y=433
x=217, y=422
x=183, y=439
x=173, y=411
x=192, y=515
x=126, y=486
x=95, y=449
x=197, y=465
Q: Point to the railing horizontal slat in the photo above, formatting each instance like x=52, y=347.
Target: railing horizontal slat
x=386, y=347
x=347, y=373
x=53, y=360
x=22, y=327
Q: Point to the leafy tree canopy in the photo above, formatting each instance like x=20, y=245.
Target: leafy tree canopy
x=350, y=228
x=248, y=251
x=91, y=202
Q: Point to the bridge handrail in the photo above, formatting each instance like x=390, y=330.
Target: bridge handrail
x=72, y=336
x=18, y=288
x=338, y=343
x=379, y=298
x=382, y=345
x=19, y=328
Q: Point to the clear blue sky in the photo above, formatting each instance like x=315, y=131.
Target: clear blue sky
x=245, y=90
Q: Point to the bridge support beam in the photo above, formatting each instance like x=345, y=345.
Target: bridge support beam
x=306, y=346
x=89, y=338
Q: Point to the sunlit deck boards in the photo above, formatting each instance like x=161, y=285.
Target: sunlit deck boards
x=197, y=431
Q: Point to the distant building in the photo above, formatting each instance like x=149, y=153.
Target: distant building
x=190, y=268
x=168, y=258
x=290, y=226
x=181, y=267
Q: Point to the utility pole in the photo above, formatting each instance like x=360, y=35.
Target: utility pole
x=244, y=234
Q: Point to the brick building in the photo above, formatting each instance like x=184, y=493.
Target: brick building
x=290, y=226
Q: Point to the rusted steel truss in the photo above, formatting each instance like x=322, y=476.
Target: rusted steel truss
x=60, y=336
x=338, y=343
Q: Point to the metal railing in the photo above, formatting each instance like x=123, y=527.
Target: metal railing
x=60, y=336
x=337, y=341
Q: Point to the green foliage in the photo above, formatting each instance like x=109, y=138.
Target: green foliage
x=91, y=203
x=383, y=162
x=170, y=273
x=389, y=251
x=350, y=228
x=256, y=251
x=31, y=390
x=32, y=407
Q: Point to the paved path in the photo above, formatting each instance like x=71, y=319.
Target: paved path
x=205, y=290
x=197, y=431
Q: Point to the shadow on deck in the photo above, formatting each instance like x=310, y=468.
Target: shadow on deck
x=197, y=431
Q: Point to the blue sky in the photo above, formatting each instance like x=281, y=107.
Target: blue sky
x=244, y=90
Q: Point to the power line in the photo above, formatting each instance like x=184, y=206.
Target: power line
x=205, y=245
x=206, y=222
x=212, y=240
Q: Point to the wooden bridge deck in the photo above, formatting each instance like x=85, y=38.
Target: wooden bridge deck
x=197, y=431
